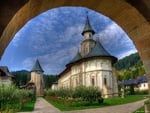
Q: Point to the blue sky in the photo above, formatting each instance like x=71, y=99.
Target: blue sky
x=55, y=36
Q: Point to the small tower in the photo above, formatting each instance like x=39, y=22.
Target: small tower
x=37, y=78
x=88, y=43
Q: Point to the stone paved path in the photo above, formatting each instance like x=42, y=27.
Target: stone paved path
x=43, y=106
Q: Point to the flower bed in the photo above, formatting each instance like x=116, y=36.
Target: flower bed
x=80, y=96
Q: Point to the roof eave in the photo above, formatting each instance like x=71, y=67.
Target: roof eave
x=114, y=59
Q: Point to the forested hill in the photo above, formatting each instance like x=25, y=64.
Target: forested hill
x=22, y=77
x=128, y=62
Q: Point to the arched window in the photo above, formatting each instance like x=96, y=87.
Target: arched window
x=105, y=81
x=93, y=81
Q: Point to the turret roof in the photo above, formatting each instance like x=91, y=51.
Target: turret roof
x=88, y=27
x=98, y=50
x=37, y=66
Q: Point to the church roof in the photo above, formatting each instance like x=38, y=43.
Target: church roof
x=5, y=70
x=87, y=27
x=139, y=80
x=98, y=50
x=37, y=66
x=77, y=57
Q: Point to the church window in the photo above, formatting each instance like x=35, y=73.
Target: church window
x=86, y=50
x=105, y=81
x=101, y=63
x=93, y=81
x=90, y=35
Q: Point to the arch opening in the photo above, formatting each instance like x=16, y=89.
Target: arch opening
x=49, y=35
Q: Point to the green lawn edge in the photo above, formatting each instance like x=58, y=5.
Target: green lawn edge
x=107, y=102
x=29, y=106
x=140, y=110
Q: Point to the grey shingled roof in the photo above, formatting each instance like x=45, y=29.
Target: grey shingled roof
x=77, y=57
x=88, y=27
x=37, y=66
x=98, y=50
x=141, y=79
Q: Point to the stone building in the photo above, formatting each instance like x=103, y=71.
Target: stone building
x=5, y=75
x=37, y=78
x=92, y=66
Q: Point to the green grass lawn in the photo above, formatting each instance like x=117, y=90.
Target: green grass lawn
x=107, y=102
x=140, y=110
x=28, y=106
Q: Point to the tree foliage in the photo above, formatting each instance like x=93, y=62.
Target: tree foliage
x=129, y=67
x=128, y=62
x=23, y=77
x=10, y=95
x=49, y=80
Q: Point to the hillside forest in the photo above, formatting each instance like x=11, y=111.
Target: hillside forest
x=129, y=67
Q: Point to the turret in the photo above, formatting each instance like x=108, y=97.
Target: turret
x=88, y=42
x=37, y=78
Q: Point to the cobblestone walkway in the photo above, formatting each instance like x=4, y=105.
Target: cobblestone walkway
x=42, y=106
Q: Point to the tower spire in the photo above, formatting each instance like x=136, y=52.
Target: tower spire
x=37, y=66
x=88, y=27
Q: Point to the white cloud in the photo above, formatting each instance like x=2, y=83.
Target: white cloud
x=54, y=62
x=71, y=34
x=28, y=63
x=116, y=41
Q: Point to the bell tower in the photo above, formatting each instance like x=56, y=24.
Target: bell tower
x=88, y=42
x=37, y=78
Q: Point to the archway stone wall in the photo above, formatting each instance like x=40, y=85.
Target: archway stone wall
x=125, y=15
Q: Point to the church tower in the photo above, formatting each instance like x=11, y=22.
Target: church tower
x=37, y=78
x=88, y=42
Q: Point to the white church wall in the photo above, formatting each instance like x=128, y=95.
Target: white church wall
x=75, y=69
x=98, y=64
x=90, y=73
x=99, y=80
x=64, y=81
x=74, y=80
x=108, y=76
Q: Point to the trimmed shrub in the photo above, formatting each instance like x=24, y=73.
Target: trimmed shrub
x=89, y=94
x=100, y=100
x=85, y=95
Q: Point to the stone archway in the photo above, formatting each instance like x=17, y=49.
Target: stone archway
x=132, y=22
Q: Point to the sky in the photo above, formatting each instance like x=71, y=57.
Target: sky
x=54, y=37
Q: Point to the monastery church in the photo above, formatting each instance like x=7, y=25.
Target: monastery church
x=92, y=66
